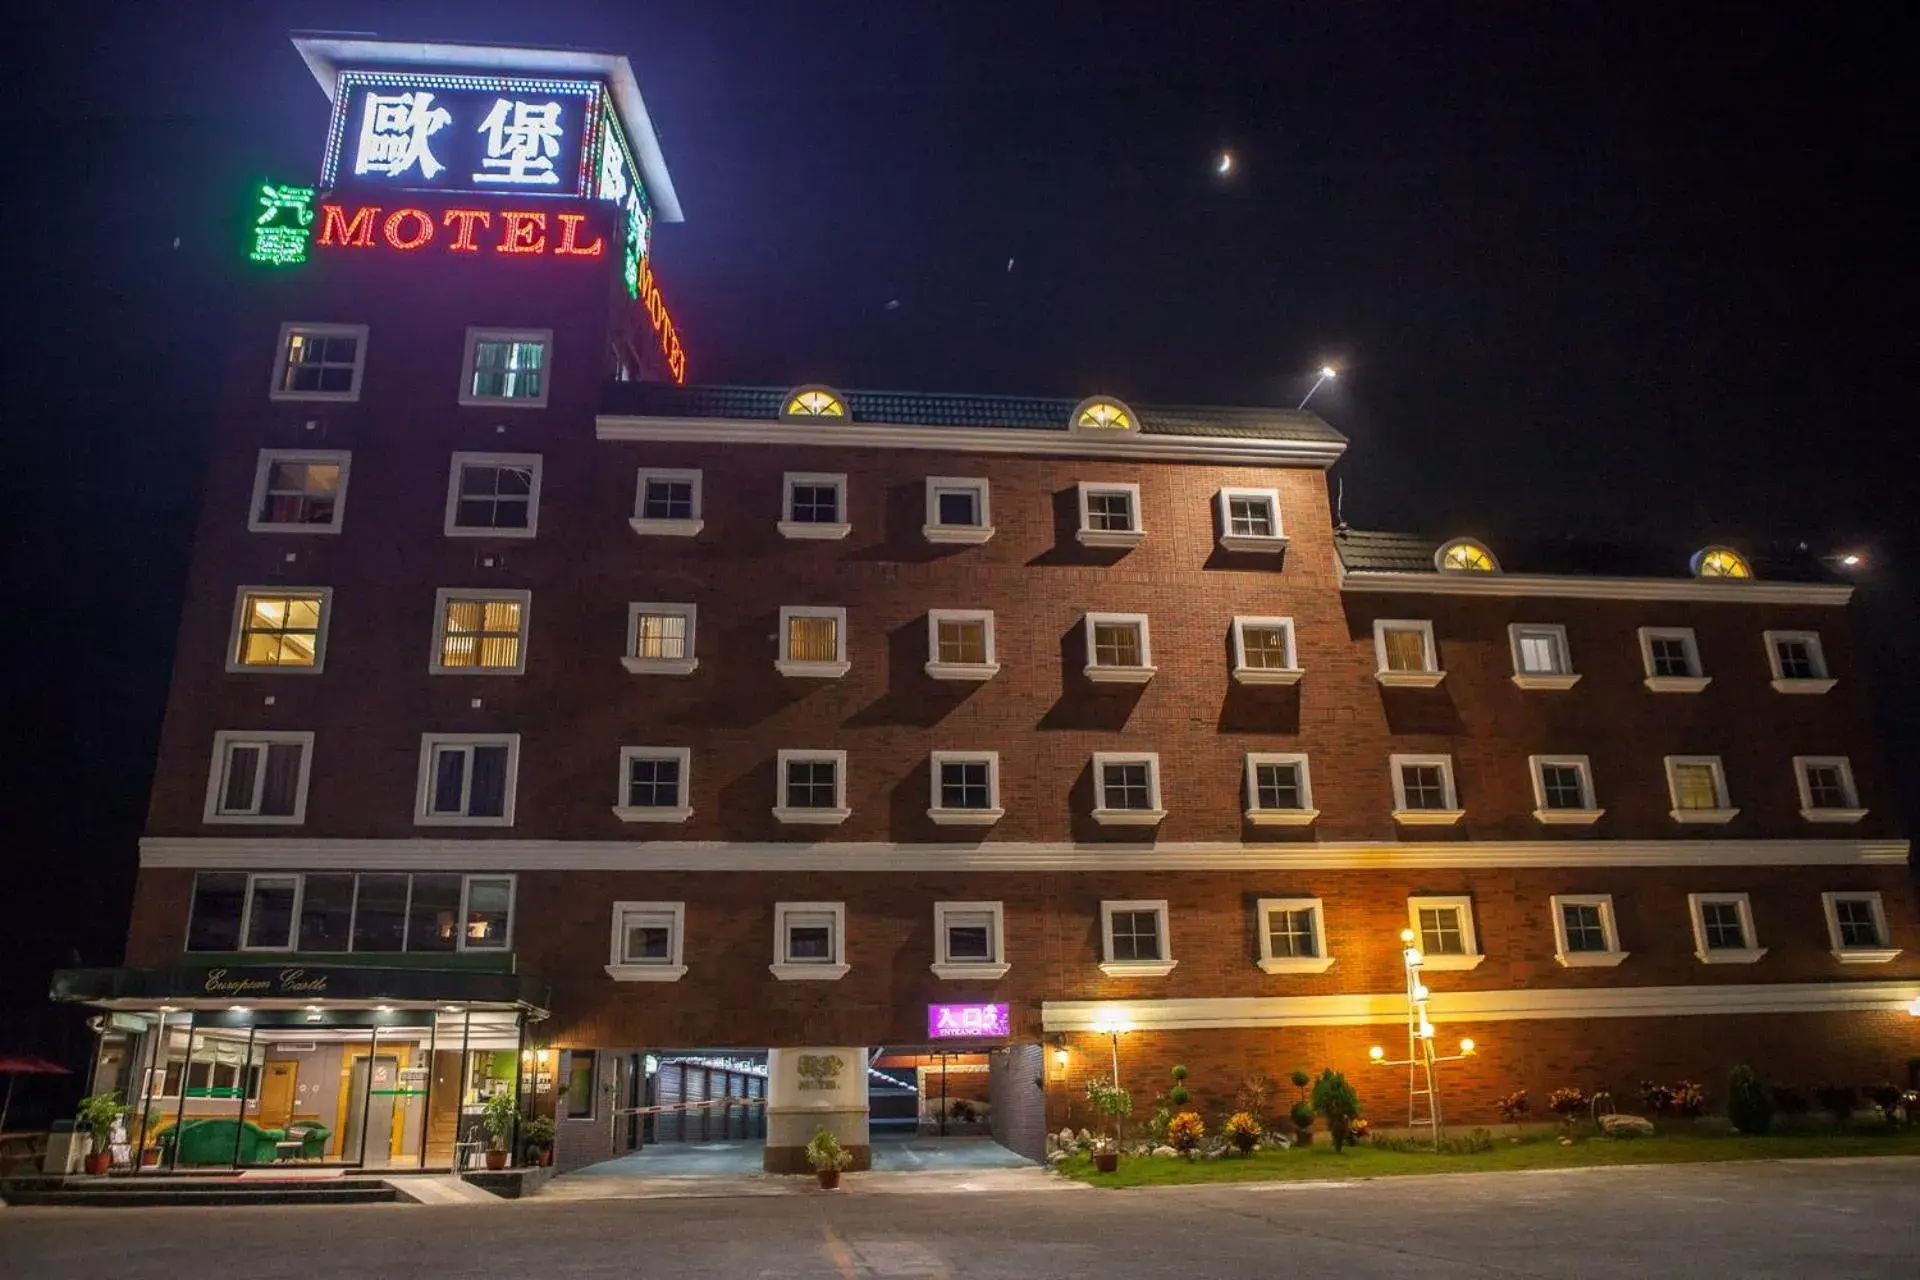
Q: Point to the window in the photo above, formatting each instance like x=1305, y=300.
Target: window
x=957, y=510
x=814, y=506
x=813, y=642
x=1799, y=664
x=487, y=910
x=1423, y=791
x=1126, y=789
x=1672, y=660
x=273, y=906
x=1827, y=792
x=1263, y=651
x=1101, y=414
x=1292, y=937
x=1134, y=938
x=1118, y=648
x=1723, y=928
x=333, y=912
x=809, y=941
x=280, y=629
x=219, y=899
x=319, y=362
x=1540, y=658
x=812, y=788
x=467, y=779
x=297, y=492
x=1404, y=651
x=660, y=639
x=576, y=1070
x=493, y=495
x=969, y=940
x=1443, y=930
x=1698, y=787
x=649, y=942
x=1279, y=793
x=480, y=633
x=259, y=776
x=667, y=503
x=1109, y=515
x=1857, y=928
x=1250, y=520
x=506, y=368
x=966, y=788
x=1563, y=790
x=1584, y=934
x=326, y=913
x=1464, y=555
x=960, y=644
x=814, y=402
x=653, y=784
x=1720, y=562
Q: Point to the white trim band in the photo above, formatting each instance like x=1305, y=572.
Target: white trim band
x=1745, y=591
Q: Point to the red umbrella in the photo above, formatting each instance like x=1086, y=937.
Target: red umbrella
x=24, y=1064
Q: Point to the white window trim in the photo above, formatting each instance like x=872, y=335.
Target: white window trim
x=814, y=670
x=1270, y=963
x=1272, y=543
x=1726, y=955
x=680, y=811
x=1851, y=813
x=661, y=666
x=1425, y=817
x=934, y=531
x=663, y=528
x=226, y=738
x=423, y=791
x=1542, y=679
x=811, y=817
x=1244, y=674
x=461, y=460
x=476, y=334
x=1091, y=537
x=945, y=966
x=1425, y=679
x=1673, y=684
x=960, y=670
x=466, y=908
x=1882, y=954
x=1819, y=683
x=1127, y=817
x=447, y=595
x=1720, y=814
x=342, y=458
x=966, y=817
x=240, y=595
x=1103, y=674
x=287, y=331
x=1259, y=817
x=1133, y=420
x=808, y=530
x=674, y=969
x=1586, y=815
x=1136, y=968
x=293, y=922
x=801, y=971
x=1607, y=959
x=1469, y=936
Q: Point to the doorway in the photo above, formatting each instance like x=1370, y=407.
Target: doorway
x=372, y=1086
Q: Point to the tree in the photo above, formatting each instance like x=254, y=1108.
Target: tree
x=1336, y=1100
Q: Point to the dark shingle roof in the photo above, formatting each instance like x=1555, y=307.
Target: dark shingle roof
x=1371, y=551
x=944, y=409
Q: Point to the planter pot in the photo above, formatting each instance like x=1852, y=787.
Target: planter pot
x=496, y=1160
x=150, y=1157
x=546, y=1158
x=1106, y=1161
x=829, y=1178
x=98, y=1162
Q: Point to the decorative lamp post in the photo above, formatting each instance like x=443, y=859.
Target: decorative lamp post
x=1421, y=1062
x=1113, y=1029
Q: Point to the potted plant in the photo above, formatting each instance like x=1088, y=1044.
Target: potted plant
x=150, y=1153
x=499, y=1115
x=1335, y=1099
x=828, y=1158
x=536, y=1134
x=98, y=1114
x=1113, y=1102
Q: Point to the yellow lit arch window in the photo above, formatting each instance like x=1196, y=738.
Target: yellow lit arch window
x=1467, y=557
x=1102, y=415
x=814, y=402
x=1719, y=562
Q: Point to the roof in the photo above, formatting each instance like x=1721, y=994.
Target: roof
x=948, y=409
x=1372, y=551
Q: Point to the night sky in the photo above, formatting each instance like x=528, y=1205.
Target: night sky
x=1598, y=269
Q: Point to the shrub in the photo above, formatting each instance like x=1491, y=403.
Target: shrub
x=825, y=1152
x=1749, y=1104
x=1473, y=1144
x=1300, y=1079
x=1335, y=1099
x=1789, y=1101
x=1179, y=1073
x=1839, y=1101
x=1185, y=1131
x=1301, y=1113
x=1242, y=1130
x=1655, y=1099
x=1689, y=1099
x=1886, y=1100
x=1359, y=1128
x=1567, y=1103
x=1256, y=1094
x=1515, y=1106
x=1179, y=1096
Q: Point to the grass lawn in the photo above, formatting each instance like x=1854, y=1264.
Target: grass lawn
x=1318, y=1162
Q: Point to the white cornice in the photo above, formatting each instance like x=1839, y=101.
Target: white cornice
x=478, y=854
x=1365, y=1009
x=1062, y=444
x=1585, y=588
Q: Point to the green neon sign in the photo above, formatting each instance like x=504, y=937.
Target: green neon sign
x=284, y=225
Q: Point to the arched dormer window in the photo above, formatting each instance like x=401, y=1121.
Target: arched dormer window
x=1103, y=413
x=813, y=402
x=1720, y=562
x=1464, y=555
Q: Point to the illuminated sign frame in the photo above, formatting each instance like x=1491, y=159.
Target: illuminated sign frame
x=969, y=1022
x=548, y=232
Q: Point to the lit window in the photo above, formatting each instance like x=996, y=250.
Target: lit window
x=1118, y=648
x=319, y=362
x=1443, y=931
x=1798, y=661
x=299, y=492
x=1719, y=562
x=1827, y=793
x=960, y=644
x=966, y=788
x=1723, y=928
x=667, y=503
x=1250, y=520
x=493, y=495
x=969, y=940
x=1126, y=789
x=1134, y=940
x=814, y=402
x=813, y=642
x=1263, y=651
x=649, y=942
x=809, y=941
x=1698, y=787
x=814, y=506
x=467, y=779
x=280, y=628
x=1563, y=790
x=1109, y=515
x=506, y=367
x=957, y=510
x=660, y=639
x=1857, y=928
x=1584, y=933
x=1540, y=658
x=259, y=776
x=1292, y=936
x=1279, y=792
x=812, y=788
x=1102, y=414
x=1404, y=652
x=1465, y=556
x=480, y=633
x=488, y=913
x=653, y=784
x=1672, y=660
x=1423, y=790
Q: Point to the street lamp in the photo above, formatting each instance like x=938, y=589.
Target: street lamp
x=1327, y=374
x=1421, y=1060
x=1113, y=1029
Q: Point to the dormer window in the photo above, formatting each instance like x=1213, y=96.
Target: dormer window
x=1104, y=413
x=1720, y=562
x=814, y=402
x=1464, y=555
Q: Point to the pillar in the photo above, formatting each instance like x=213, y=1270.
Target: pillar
x=809, y=1089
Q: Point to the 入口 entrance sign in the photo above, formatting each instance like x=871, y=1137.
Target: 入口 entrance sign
x=968, y=1021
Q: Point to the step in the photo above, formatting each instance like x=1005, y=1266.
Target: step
x=122, y=1196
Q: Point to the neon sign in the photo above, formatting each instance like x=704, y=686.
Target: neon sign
x=662, y=320
x=284, y=226
x=968, y=1021
x=521, y=232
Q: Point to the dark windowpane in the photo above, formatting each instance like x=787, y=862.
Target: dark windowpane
x=280, y=786
x=488, y=798
x=1723, y=927
x=1425, y=786
x=1585, y=931
x=218, y=897
x=965, y=785
x=649, y=942
x=433, y=924
x=1560, y=785
x=815, y=504
x=243, y=767
x=326, y=913
x=957, y=506
x=1136, y=935
x=270, y=918
x=449, y=779
x=1278, y=786
x=668, y=500
x=579, y=1077
x=653, y=784
x=810, y=784
x=1126, y=786
x=380, y=914
x=969, y=942
x=810, y=942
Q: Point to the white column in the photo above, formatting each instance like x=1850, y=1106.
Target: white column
x=814, y=1088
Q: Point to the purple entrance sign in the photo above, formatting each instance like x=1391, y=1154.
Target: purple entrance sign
x=967, y=1021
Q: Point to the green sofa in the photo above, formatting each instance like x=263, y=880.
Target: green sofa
x=210, y=1141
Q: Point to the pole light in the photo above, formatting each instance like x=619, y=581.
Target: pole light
x=1113, y=1029
x=1327, y=374
x=1422, y=1062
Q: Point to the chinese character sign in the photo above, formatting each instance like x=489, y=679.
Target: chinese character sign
x=432, y=132
x=282, y=224
x=522, y=140
x=968, y=1021
x=396, y=134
